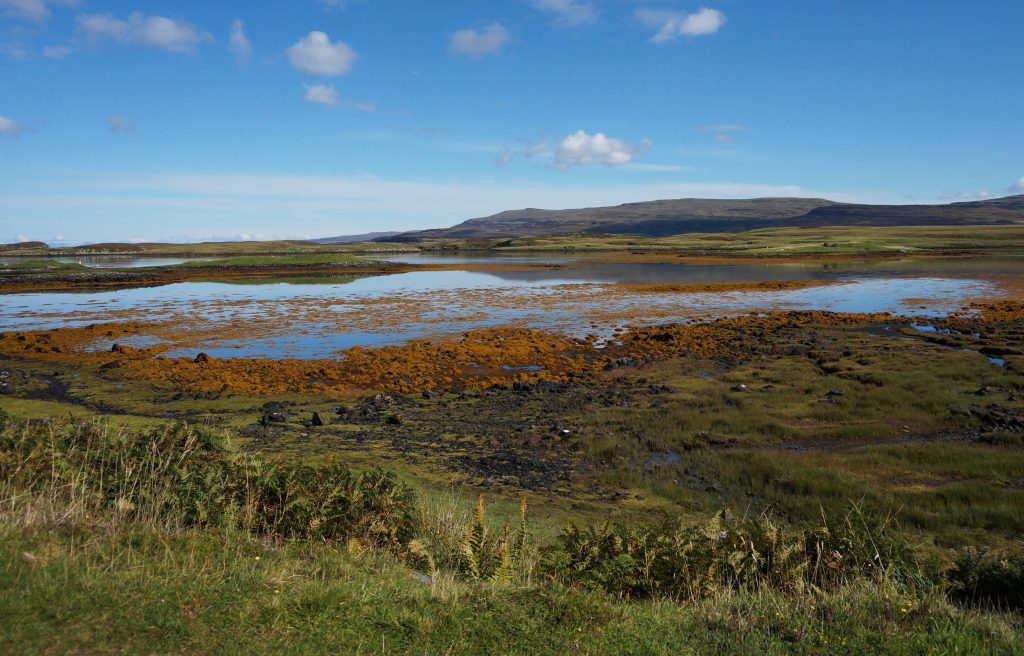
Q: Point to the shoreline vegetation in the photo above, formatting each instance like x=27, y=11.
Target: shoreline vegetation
x=778, y=482
x=173, y=541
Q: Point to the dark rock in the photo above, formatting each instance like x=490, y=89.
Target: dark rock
x=1000, y=418
x=428, y=394
x=317, y=420
x=622, y=362
x=394, y=420
x=7, y=387
x=202, y=358
x=522, y=386
x=273, y=418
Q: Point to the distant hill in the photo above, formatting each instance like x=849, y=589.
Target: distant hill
x=348, y=239
x=672, y=217
x=24, y=246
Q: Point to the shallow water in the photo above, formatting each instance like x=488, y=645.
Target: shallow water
x=311, y=319
x=112, y=261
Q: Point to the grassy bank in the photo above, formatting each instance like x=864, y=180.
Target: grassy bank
x=171, y=541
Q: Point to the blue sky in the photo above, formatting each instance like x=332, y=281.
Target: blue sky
x=235, y=119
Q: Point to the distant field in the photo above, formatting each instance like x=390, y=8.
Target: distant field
x=768, y=242
x=774, y=242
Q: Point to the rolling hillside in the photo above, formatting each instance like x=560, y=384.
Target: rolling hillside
x=671, y=217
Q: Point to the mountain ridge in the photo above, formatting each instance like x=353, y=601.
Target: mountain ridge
x=679, y=216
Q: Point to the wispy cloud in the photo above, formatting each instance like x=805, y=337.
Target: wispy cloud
x=567, y=13
x=724, y=127
x=238, y=42
x=139, y=29
x=724, y=133
x=671, y=25
x=10, y=128
x=646, y=167
x=325, y=94
x=339, y=4
x=121, y=124
x=57, y=52
x=36, y=11
x=188, y=203
x=479, y=43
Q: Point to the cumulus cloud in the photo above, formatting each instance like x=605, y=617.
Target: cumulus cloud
x=10, y=127
x=120, y=124
x=671, y=25
x=32, y=10
x=1017, y=187
x=317, y=55
x=238, y=42
x=567, y=13
x=480, y=43
x=150, y=31
x=325, y=94
x=581, y=149
x=577, y=149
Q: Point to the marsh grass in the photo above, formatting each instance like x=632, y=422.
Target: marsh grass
x=176, y=477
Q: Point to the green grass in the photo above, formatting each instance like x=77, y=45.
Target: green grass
x=25, y=266
x=121, y=542
x=775, y=242
x=82, y=589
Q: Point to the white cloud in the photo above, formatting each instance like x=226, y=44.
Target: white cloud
x=151, y=31
x=581, y=149
x=10, y=127
x=568, y=13
x=322, y=94
x=1017, y=187
x=238, y=42
x=671, y=25
x=325, y=94
x=56, y=52
x=32, y=10
x=317, y=55
x=474, y=43
x=120, y=124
